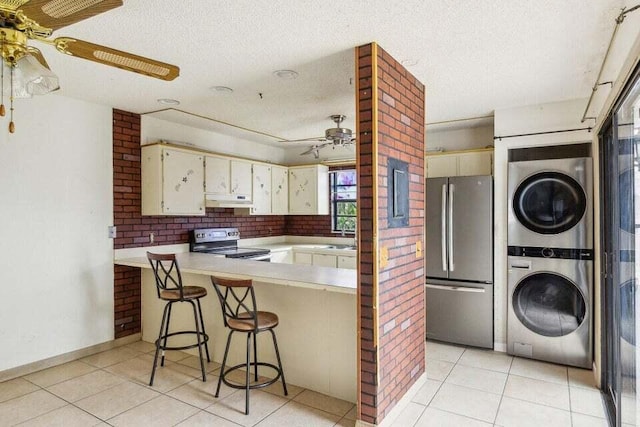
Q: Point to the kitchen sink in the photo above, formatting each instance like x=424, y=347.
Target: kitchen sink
x=344, y=247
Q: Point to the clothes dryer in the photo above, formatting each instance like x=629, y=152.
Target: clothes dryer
x=549, y=314
x=550, y=203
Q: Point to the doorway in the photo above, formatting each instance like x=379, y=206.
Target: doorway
x=620, y=213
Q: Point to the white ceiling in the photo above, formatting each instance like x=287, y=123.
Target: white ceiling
x=473, y=56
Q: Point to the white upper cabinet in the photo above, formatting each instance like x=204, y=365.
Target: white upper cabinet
x=172, y=181
x=218, y=175
x=309, y=190
x=240, y=177
x=227, y=176
x=261, y=189
x=279, y=190
x=459, y=163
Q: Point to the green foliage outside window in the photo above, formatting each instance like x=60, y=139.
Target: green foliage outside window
x=344, y=206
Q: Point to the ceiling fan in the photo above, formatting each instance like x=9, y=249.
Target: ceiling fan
x=337, y=136
x=24, y=20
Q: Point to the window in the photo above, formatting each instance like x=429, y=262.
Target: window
x=343, y=200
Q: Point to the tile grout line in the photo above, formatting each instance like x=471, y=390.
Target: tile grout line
x=495, y=418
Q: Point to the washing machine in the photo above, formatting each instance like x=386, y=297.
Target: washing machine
x=550, y=203
x=550, y=314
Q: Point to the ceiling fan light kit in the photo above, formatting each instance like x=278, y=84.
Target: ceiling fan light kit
x=24, y=20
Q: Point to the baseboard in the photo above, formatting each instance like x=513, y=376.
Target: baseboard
x=30, y=368
x=400, y=406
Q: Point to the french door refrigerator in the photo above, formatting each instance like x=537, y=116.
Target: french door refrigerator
x=459, y=260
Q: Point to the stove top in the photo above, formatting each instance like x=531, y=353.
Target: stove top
x=222, y=241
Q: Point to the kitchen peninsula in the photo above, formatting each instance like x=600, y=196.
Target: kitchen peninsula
x=316, y=306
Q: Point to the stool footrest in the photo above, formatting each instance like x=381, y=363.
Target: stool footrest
x=253, y=385
x=203, y=339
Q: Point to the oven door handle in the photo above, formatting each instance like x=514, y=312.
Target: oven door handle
x=260, y=257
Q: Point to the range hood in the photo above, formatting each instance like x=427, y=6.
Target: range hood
x=228, y=201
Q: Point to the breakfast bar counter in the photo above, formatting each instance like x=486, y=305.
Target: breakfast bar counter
x=316, y=307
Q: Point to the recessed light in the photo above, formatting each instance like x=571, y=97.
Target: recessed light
x=168, y=101
x=285, y=74
x=221, y=89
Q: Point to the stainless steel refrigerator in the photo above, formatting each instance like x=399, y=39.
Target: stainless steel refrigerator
x=459, y=260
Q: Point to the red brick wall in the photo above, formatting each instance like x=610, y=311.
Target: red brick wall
x=393, y=358
x=126, y=293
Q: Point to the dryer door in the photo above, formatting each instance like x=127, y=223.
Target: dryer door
x=549, y=304
x=549, y=202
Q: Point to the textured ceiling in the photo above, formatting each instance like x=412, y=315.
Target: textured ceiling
x=473, y=56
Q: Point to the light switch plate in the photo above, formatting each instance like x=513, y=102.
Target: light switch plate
x=418, y=248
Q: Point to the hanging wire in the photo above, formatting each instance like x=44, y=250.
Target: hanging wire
x=12, y=126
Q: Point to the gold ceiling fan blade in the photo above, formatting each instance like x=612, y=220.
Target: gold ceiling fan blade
x=12, y=4
x=117, y=58
x=56, y=14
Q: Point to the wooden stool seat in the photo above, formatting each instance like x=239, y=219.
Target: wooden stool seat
x=188, y=293
x=245, y=322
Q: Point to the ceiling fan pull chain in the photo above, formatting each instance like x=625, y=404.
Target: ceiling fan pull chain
x=12, y=126
x=2, y=112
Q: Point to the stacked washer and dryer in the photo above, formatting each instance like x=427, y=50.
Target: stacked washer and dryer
x=550, y=258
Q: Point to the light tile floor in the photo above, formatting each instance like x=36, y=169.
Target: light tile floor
x=464, y=387
x=111, y=388
x=473, y=387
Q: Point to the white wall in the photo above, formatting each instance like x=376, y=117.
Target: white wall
x=57, y=262
x=529, y=119
x=154, y=129
x=451, y=139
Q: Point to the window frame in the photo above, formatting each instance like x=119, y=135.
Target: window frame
x=334, y=202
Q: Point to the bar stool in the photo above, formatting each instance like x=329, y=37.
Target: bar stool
x=170, y=289
x=240, y=314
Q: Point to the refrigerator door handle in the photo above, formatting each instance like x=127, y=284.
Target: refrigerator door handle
x=443, y=225
x=450, y=231
x=455, y=288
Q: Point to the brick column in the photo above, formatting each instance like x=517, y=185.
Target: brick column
x=391, y=312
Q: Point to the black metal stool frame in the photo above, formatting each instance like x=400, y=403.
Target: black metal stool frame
x=168, y=282
x=232, y=301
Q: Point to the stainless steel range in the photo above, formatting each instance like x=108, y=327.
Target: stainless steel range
x=224, y=241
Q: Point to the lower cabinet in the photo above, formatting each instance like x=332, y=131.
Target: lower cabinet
x=347, y=262
x=324, y=260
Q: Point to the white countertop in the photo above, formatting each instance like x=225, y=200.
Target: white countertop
x=299, y=275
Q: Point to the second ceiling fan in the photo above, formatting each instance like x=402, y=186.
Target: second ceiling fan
x=336, y=136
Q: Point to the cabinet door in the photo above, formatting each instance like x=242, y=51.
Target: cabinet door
x=240, y=177
x=347, y=262
x=325, y=260
x=279, y=190
x=442, y=165
x=471, y=164
x=261, y=189
x=302, y=258
x=217, y=175
x=183, y=183
x=302, y=191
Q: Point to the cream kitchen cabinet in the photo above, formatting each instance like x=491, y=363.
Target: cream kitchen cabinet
x=172, y=181
x=349, y=262
x=324, y=260
x=309, y=190
x=227, y=177
x=261, y=189
x=303, y=258
x=279, y=190
x=459, y=163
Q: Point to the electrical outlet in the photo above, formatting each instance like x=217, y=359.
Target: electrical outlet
x=152, y=237
x=112, y=231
